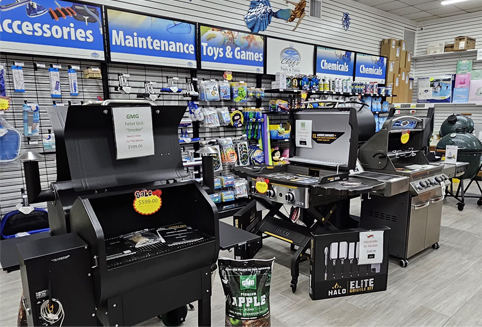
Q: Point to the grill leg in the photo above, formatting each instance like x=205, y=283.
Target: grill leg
x=204, y=312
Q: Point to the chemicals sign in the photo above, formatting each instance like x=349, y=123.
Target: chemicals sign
x=230, y=50
x=370, y=68
x=150, y=40
x=334, y=63
x=52, y=27
x=289, y=57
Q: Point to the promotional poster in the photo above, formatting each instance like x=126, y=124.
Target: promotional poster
x=334, y=63
x=151, y=40
x=231, y=50
x=370, y=68
x=289, y=57
x=53, y=28
x=435, y=89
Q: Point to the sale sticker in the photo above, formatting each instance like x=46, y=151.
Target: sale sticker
x=262, y=185
x=147, y=202
x=405, y=137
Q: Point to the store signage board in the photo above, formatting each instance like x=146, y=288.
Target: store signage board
x=334, y=63
x=370, y=68
x=134, y=136
x=53, y=28
x=289, y=57
x=151, y=40
x=231, y=50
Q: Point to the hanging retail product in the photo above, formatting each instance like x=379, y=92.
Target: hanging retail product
x=243, y=156
x=195, y=113
x=10, y=142
x=149, y=91
x=92, y=73
x=74, y=88
x=2, y=81
x=48, y=141
x=123, y=86
x=228, y=153
x=18, y=80
x=55, y=83
x=31, y=119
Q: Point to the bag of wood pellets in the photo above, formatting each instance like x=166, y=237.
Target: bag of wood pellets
x=246, y=284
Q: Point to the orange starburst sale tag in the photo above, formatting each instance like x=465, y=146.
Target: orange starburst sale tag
x=147, y=202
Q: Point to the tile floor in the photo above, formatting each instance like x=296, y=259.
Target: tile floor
x=439, y=287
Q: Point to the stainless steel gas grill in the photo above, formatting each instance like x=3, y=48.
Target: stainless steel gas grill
x=413, y=216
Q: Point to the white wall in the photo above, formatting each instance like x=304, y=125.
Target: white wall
x=368, y=25
x=445, y=30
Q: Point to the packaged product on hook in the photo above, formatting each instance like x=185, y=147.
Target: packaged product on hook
x=31, y=119
x=18, y=80
x=224, y=116
x=224, y=90
x=2, y=81
x=211, y=91
x=239, y=91
x=228, y=153
x=55, y=83
x=211, y=119
x=10, y=142
x=74, y=89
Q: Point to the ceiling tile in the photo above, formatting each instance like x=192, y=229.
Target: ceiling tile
x=444, y=10
x=474, y=10
x=452, y=13
x=414, y=2
x=391, y=5
x=429, y=5
x=419, y=15
x=373, y=2
x=422, y=20
x=474, y=4
x=405, y=11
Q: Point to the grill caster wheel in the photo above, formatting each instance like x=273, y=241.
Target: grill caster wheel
x=461, y=206
x=403, y=263
x=479, y=202
x=175, y=317
x=436, y=246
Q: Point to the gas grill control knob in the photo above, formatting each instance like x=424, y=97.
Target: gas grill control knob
x=271, y=194
x=419, y=188
x=438, y=179
x=253, y=189
x=423, y=184
x=290, y=197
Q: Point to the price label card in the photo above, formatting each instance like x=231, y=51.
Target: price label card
x=134, y=136
x=371, y=247
x=451, y=152
x=147, y=202
x=479, y=54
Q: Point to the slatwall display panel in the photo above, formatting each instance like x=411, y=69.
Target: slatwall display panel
x=37, y=90
x=368, y=25
x=426, y=67
x=447, y=29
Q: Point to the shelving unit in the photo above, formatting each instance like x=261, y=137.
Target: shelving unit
x=453, y=54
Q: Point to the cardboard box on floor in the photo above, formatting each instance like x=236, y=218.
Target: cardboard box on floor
x=389, y=48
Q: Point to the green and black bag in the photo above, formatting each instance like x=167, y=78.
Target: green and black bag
x=246, y=284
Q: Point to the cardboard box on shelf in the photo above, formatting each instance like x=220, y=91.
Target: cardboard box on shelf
x=398, y=53
x=435, y=47
x=402, y=44
x=408, y=61
x=388, y=48
x=390, y=77
x=450, y=47
x=403, y=58
x=393, y=66
x=463, y=43
x=397, y=85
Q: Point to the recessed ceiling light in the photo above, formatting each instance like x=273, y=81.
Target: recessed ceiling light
x=451, y=2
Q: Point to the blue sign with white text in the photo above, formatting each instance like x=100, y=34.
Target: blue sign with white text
x=334, y=63
x=52, y=27
x=370, y=68
x=230, y=50
x=150, y=40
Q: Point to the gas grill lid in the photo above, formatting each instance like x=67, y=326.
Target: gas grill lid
x=91, y=149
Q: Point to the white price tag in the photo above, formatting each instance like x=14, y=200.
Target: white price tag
x=95, y=69
x=75, y=67
x=18, y=63
x=58, y=66
x=134, y=135
x=371, y=247
x=451, y=152
x=39, y=65
x=479, y=54
x=303, y=133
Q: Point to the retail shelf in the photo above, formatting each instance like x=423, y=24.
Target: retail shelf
x=347, y=94
x=453, y=54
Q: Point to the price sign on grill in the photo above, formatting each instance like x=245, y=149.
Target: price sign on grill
x=147, y=202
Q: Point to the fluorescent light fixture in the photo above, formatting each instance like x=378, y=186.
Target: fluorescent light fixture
x=451, y=2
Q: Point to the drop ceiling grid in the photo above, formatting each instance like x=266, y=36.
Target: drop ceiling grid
x=421, y=10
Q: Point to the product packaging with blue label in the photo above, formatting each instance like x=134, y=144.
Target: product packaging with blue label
x=31, y=119
x=55, y=83
x=74, y=89
x=18, y=80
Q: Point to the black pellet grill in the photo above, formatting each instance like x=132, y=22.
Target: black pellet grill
x=96, y=202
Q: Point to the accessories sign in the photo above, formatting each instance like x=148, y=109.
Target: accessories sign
x=52, y=28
